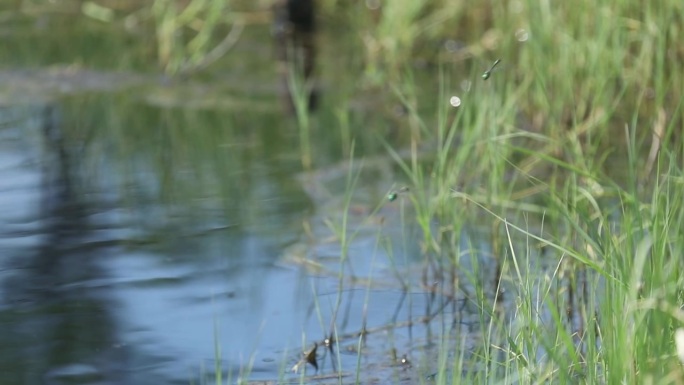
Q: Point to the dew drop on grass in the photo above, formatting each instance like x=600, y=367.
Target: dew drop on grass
x=522, y=35
x=679, y=344
x=452, y=46
x=455, y=101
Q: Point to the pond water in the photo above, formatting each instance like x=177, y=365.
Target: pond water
x=132, y=258
x=155, y=231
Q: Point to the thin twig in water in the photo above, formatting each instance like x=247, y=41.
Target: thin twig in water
x=392, y=325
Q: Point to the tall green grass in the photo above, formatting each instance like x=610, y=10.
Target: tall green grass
x=575, y=148
x=186, y=33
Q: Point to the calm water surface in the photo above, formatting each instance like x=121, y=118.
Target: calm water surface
x=157, y=232
x=133, y=249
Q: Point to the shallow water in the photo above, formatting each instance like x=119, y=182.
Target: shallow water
x=125, y=263
x=162, y=231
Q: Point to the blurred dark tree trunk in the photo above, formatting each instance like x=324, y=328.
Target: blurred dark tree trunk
x=294, y=29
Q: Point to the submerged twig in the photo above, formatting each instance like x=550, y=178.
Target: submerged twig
x=307, y=358
x=392, y=325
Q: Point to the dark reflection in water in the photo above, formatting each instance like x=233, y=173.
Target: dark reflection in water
x=51, y=327
x=98, y=290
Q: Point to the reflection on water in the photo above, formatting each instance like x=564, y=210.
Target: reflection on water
x=114, y=275
x=49, y=245
x=145, y=225
x=137, y=240
x=132, y=247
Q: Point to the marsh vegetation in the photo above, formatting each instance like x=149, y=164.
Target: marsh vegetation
x=487, y=192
